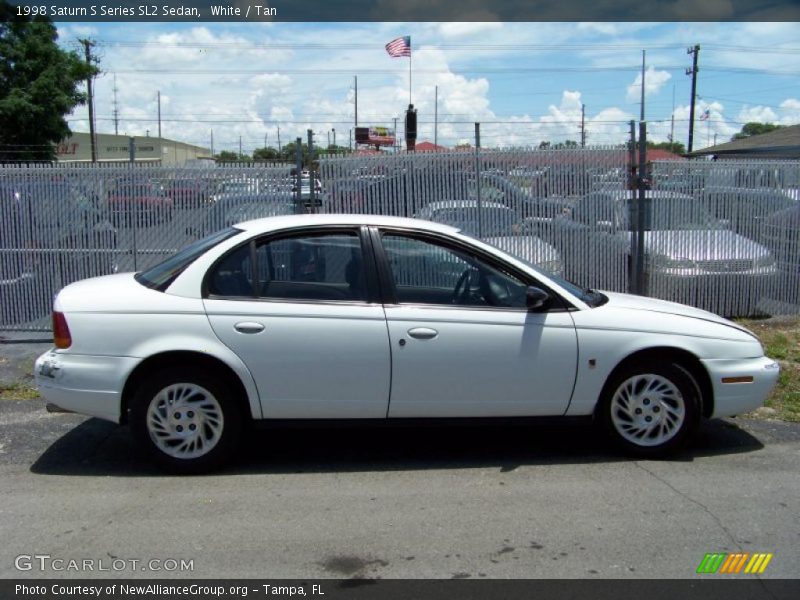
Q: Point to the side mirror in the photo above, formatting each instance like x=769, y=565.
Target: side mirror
x=536, y=298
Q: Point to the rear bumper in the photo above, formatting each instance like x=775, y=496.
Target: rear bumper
x=88, y=385
x=757, y=377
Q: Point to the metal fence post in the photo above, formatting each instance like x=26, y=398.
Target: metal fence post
x=311, y=178
x=135, y=220
x=478, y=177
x=641, y=284
x=633, y=214
x=298, y=175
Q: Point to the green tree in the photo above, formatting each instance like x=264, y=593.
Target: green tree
x=674, y=147
x=227, y=156
x=38, y=86
x=754, y=128
x=288, y=150
x=265, y=154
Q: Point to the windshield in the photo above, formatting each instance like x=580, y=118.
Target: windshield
x=164, y=273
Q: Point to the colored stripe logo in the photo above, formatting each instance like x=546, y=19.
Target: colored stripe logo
x=735, y=562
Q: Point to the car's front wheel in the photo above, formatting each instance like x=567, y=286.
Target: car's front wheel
x=187, y=421
x=651, y=409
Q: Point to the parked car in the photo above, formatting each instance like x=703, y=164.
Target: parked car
x=364, y=317
x=51, y=234
x=745, y=209
x=500, y=226
x=188, y=192
x=304, y=194
x=686, y=250
x=235, y=209
x=138, y=201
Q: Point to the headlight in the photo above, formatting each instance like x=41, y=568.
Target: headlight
x=668, y=262
x=551, y=266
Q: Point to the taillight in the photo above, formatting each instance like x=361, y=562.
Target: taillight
x=61, y=335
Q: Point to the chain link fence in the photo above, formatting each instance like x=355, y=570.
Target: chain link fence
x=720, y=235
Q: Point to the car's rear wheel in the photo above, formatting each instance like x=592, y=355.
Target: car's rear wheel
x=187, y=421
x=651, y=409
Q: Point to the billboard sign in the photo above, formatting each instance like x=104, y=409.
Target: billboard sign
x=375, y=136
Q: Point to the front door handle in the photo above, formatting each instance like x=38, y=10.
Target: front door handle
x=249, y=327
x=423, y=333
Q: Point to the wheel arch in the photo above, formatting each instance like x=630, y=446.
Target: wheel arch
x=198, y=360
x=690, y=362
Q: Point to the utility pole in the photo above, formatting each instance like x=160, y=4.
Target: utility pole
x=395, y=135
x=356, y=83
x=583, y=125
x=116, y=107
x=279, y=140
x=159, y=114
x=240, y=147
x=641, y=112
x=351, y=140
x=436, y=119
x=334, y=137
x=212, y=143
x=672, y=120
x=694, y=51
x=87, y=47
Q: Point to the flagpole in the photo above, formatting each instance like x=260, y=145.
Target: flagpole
x=409, y=73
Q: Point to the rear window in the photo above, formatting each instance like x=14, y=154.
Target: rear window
x=164, y=273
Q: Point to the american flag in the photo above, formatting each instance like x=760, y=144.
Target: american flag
x=399, y=47
x=706, y=114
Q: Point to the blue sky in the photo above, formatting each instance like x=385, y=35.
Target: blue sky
x=525, y=82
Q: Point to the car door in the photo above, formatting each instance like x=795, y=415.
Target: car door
x=463, y=342
x=301, y=311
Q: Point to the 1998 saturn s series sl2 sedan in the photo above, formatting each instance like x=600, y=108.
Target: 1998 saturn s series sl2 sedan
x=367, y=317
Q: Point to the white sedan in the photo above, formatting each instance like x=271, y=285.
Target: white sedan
x=368, y=317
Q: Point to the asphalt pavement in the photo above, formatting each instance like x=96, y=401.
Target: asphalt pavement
x=480, y=502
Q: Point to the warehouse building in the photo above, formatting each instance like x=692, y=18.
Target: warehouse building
x=116, y=148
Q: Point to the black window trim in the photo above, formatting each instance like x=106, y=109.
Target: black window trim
x=389, y=294
x=373, y=293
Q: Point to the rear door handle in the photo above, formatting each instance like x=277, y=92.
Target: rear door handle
x=423, y=333
x=249, y=327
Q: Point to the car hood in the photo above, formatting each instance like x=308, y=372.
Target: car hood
x=653, y=305
x=702, y=245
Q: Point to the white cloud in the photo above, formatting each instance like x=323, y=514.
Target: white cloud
x=653, y=82
x=461, y=30
x=790, y=111
x=758, y=114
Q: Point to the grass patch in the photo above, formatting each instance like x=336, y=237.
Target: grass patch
x=780, y=337
x=18, y=391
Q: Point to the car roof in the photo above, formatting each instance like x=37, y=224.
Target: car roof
x=443, y=204
x=291, y=221
x=648, y=194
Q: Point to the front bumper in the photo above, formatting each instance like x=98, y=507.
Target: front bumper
x=756, y=376
x=89, y=385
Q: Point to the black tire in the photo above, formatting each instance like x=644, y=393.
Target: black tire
x=221, y=431
x=666, y=393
